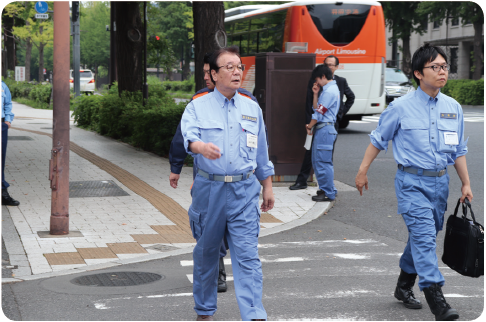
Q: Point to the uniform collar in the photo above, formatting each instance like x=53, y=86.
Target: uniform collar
x=221, y=99
x=328, y=85
x=424, y=97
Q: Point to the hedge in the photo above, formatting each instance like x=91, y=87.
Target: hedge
x=150, y=127
x=465, y=91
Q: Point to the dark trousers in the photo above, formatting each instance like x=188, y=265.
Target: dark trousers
x=306, y=167
x=5, y=184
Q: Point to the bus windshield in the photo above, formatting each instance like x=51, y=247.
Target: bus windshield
x=339, y=24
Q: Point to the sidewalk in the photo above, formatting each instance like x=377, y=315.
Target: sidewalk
x=120, y=202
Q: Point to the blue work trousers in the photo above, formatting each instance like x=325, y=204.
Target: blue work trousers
x=422, y=202
x=230, y=209
x=322, y=147
x=5, y=184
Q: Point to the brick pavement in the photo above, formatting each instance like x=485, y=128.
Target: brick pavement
x=152, y=219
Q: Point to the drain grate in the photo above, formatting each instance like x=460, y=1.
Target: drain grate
x=117, y=279
x=20, y=138
x=104, y=188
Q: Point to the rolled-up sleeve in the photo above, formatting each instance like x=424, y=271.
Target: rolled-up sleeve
x=190, y=130
x=386, y=129
x=264, y=167
x=462, y=147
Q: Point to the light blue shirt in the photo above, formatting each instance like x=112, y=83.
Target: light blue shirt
x=417, y=125
x=231, y=125
x=6, y=104
x=329, y=99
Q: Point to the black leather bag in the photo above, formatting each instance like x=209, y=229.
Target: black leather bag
x=464, y=243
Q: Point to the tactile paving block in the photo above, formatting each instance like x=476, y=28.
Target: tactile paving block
x=64, y=259
x=96, y=253
x=126, y=248
x=173, y=234
x=268, y=218
x=20, y=138
x=149, y=239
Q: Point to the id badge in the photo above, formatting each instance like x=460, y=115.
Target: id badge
x=450, y=138
x=251, y=140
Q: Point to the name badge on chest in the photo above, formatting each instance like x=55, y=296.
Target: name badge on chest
x=251, y=140
x=451, y=138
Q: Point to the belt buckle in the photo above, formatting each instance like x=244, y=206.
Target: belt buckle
x=228, y=178
x=441, y=172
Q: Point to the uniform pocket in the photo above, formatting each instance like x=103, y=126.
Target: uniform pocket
x=324, y=152
x=415, y=134
x=212, y=131
x=247, y=128
x=194, y=221
x=445, y=126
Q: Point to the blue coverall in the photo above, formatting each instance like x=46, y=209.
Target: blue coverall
x=7, y=116
x=418, y=125
x=177, y=152
x=230, y=208
x=326, y=112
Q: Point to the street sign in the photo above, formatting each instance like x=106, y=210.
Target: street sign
x=20, y=73
x=41, y=7
x=41, y=16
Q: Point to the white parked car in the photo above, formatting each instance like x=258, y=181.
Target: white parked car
x=87, y=81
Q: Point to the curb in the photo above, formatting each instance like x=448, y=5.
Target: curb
x=315, y=212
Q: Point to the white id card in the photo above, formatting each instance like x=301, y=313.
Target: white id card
x=251, y=140
x=450, y=138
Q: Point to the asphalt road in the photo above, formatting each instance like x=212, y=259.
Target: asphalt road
x=341, y=266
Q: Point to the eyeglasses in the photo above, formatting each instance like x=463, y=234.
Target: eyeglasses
x=231, y=67
x=330, y=65
x=437, y=68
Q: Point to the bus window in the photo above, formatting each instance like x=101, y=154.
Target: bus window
x=262, y=41
x=339, y=24
x=243, y=45
x=253, y=43
x=275, y=25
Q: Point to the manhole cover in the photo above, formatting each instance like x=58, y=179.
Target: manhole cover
x=117, y=279
x=103, y=188
x=20, y=138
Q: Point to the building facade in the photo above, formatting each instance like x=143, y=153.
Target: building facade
x=456, y=39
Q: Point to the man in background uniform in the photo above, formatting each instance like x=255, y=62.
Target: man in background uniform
x=332, y=62
x=178, y=154
x=427, y=131
x=225, y=133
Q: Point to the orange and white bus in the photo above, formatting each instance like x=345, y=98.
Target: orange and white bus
x=353, y=31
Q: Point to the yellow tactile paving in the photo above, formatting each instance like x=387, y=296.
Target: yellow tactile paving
x=268, y=218
x=173, y=234
x=126, y=248
x=149, y=239
x=64, y=259
x=96, y=253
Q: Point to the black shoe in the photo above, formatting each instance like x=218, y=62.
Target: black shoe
x=404, y=290
x=438, y=304
x=298, y=186
x=320, y=192
x=7, y=200
x=321, y=197
x=222, y=287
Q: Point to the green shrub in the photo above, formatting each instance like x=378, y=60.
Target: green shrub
x=465, y=91
x=187, y=86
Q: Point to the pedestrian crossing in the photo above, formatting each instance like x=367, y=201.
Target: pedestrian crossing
x=472, y=117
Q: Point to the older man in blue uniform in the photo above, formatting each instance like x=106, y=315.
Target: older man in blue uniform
x=225, y=133
x=427, y=131
x=7, y=118
x=326, y=109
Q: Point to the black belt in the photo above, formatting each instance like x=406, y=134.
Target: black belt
x=3, y=120
x=422, y=172
x=217, y=177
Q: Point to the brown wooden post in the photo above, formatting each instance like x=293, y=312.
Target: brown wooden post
x=59, y=164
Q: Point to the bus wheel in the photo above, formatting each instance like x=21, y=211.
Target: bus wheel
x=343, y=123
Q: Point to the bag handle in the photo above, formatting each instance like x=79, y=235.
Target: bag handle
x=467, y=204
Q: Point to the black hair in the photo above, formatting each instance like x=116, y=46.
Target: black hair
x=422, y=56
x=207, y=57
x=213, y=60
x=322, y=70
x=332, y=56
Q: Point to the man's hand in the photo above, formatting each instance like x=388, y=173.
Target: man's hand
x=174, y=179
x=8, y=124
x=268, y=200
x=309, y=130
x=466, y=193
x=316, y=88
x=360, y=181
x=211, y=151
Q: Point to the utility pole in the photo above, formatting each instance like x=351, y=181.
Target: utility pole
x=76, y=47
x=113, y=74
x=145, y=86
x=59, y=164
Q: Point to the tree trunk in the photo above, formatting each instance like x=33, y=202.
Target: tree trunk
x=129, y=33
x=407, y=60
x=9, y=44
x=28, y=54
x=41, y=58
x=478, y=49
x=187, y=61
x=208, y=19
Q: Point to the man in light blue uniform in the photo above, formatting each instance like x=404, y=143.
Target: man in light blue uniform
x=325, y=113
x=225, y=133
x=7, y=118
x=427, y=131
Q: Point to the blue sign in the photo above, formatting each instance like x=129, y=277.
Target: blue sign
x=41, y=6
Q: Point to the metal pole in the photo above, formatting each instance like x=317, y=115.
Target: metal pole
x=59, y=164
x=76, y=54
x=113, y=75
x=145, y=86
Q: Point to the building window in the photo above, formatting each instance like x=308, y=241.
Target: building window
x=436, y=25
x=453, y=61
x=455, y=22
x=468, y=22
x=425, y=24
